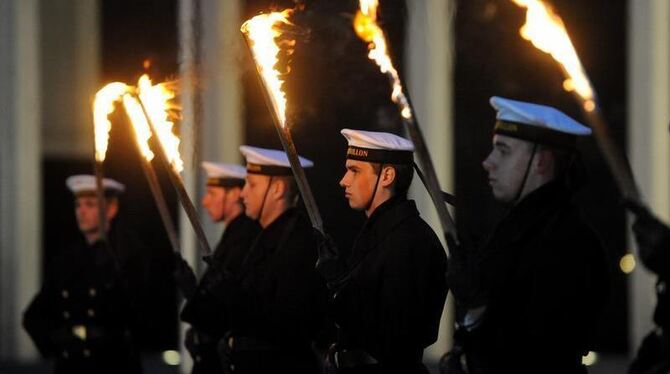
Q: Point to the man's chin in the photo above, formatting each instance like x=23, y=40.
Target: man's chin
x=88, y=230
x=501, y=197
x=251, y=215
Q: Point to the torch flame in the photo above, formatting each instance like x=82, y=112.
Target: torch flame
x=140, y=125
x=367, y=28
x=156, y=99
x=103, y=106
x=545, y=29
x=262, y=30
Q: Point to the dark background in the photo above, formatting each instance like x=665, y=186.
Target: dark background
x=332, y=85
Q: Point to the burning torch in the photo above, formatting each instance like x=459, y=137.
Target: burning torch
x=367, y=28
x=103, y=106
x=142, y=135
x=261, y=33
x=546, y=31
x=154, y=102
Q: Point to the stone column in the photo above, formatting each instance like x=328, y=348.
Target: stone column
x=220, y=130
x=649, y=140
x=223, y=130
x=429, y=61
x=20, y=171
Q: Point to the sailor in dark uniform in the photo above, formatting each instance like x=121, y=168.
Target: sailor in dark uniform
x=528, y=300
x=389, y=294
x=84, y=315
x=273, y=306
x=653, y=242
x=223, y=203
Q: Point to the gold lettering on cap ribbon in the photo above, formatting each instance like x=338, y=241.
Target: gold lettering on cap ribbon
x=507, y=126
x=357, y=152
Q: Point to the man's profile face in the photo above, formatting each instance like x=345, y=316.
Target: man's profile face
x=214, y=201
x=506, y=166
x=253, y=193
x=86, y=212
x=358, y=182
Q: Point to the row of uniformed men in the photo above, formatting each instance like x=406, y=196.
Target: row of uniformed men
x=534, y=289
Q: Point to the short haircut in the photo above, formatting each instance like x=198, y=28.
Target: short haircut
x=563, y=158
x=291, y=188
x=403, y=177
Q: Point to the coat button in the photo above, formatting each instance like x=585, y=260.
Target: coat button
x=92, y=292
x=198, y=358
x=65, y=354
x=90, y=313
x=87, y=353
x=65, y=294
x=66, y=314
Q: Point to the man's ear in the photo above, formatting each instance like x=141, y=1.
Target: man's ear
x=233, y=195
x=112, y=207
x=277, y=188
x=388, y=175
x=544, y=162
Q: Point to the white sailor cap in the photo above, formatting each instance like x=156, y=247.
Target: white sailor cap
x=269, y=161
x=84, y=184
x=224, y=175
x=381, y=147
x=536, y=123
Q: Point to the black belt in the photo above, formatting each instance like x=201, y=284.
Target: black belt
x=80, y=332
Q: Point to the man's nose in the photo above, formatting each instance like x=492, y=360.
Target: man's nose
x=487, y=164
x=343, y=181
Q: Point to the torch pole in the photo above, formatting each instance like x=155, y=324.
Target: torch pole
x=178, y=184
x=159, y=198
x=289, y=147
x=430, y=180
x=613, y=154
x=100, y=194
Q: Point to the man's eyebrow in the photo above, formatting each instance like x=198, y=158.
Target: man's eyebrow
x=501, y=144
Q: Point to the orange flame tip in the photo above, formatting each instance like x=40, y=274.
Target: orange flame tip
x=263, y=30
x=156, y=100
x=103, y=106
